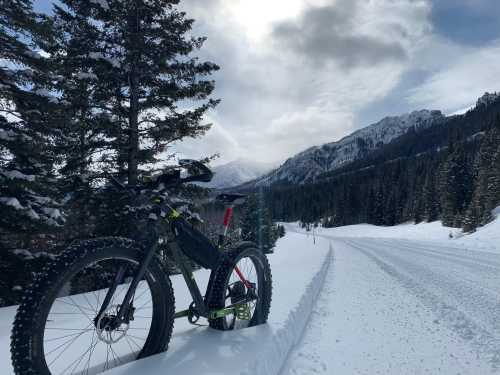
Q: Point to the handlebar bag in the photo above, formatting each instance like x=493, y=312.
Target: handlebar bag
x=195, y=245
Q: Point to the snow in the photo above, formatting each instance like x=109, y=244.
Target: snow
x=358, y=300
x=32, y=214
x=366, y=321
x=15, y=174
x=237, y=172
x=486, y=238
x=12, y=202
x=47, y=94
x=85, y=75
x=487, y=98
x=256, y=350
x=102, y=56
x=307, y=165
x=102, y=3
x=53, y=213
x=33, y=54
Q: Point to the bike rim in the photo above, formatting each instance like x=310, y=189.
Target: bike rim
x=73, y=343
x=250, y=271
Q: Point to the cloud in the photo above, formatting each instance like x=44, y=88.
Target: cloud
x=468, y=73
x=323, y=68
x=216, y=140
x=331, y=32
x=280, y=97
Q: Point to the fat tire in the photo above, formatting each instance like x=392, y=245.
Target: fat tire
x=220, y=277
x=25, y=343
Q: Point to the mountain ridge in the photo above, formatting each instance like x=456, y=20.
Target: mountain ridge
x=307, y=165
x=237, y=172
x=314, y=162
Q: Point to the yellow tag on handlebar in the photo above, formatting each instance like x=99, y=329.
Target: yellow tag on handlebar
x=174, y=214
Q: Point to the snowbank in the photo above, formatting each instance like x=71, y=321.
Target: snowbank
x=299, y=268
x=486, y=238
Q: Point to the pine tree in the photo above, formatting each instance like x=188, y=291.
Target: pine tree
x=28, y=110
x=89, y=133
x=486, y=195
x=29, y=114
x=492, y=195
x=456, y=184
x=257, y=225
x=430, y=197
x=140, y=53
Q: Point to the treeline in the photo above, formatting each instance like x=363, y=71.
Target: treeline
x=450, y=171
x=96, y=88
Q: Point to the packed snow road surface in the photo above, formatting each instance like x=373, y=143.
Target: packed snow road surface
x=381, y=301
x=395, y=306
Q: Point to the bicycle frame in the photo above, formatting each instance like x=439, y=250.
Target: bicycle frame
x=200, y=306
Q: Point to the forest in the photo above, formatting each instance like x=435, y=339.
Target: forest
x=86, y=93
x=448, y=171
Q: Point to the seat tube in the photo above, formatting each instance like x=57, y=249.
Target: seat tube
x=225, y=225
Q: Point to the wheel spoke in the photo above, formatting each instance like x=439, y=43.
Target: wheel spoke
x=64, y=343
x=66, y=348
x=70, y=347
x=71, y=304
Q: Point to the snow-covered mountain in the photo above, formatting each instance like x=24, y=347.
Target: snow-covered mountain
x=238, y=172
x=488, y=98
x=307, y=165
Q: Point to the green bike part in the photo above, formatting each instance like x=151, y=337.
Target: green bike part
x=241, y=310
x=181, y=314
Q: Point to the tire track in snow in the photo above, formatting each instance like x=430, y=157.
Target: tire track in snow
x=470, y=310
x=458, y=256
x=366, y=322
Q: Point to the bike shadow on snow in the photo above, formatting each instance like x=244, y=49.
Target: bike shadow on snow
x=205, y=351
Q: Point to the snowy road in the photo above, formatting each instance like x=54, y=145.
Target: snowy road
x=395, y=306
x=379, y=305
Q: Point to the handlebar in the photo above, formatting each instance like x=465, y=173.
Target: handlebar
x=197, y=170
x=200, y=172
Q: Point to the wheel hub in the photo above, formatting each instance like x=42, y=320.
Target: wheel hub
x=109, y=329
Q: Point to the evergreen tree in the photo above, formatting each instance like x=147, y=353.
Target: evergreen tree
x=486, y=195
x=137, y=55
x=456, y=184
x=492, y=196
x=430, y=196
x=257, y=225
x=28, y=112
x=29, y=109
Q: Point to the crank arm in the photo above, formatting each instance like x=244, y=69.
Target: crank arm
x=239, y=309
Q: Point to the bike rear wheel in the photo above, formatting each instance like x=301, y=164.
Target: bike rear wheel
x=228, y=288
x=58, y=329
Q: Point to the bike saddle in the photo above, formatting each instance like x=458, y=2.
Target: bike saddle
x=231, y=198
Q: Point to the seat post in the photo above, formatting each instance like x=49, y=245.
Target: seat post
x=225, y=225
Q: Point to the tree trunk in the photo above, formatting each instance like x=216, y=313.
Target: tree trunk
x=133, y=151
x=134, y=131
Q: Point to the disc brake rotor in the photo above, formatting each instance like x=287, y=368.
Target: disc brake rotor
x=105, y=332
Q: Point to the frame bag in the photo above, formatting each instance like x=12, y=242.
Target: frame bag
x=195, y=245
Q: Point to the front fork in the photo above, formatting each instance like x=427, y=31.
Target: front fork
x=123, y=312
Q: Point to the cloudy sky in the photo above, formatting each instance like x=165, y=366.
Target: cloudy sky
x=297, y=73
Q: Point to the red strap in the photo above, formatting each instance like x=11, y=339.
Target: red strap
x=227, y=216
x=242, y=278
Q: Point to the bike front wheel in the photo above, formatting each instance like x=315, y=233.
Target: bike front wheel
x=58, y=329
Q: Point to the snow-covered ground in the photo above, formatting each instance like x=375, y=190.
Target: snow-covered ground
x=405, y=300
x=353, y=300
x=486, y=238
x=299, y=268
